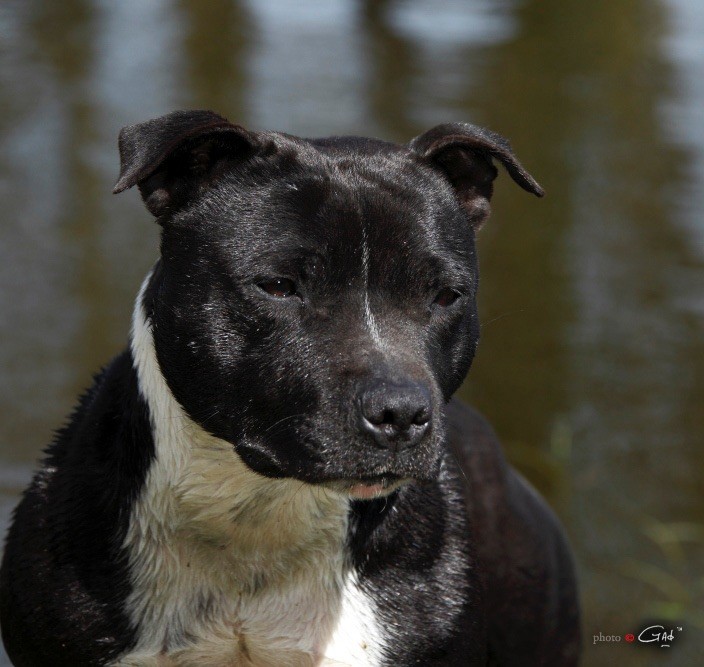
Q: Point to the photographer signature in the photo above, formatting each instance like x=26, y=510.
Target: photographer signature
x=657, y=634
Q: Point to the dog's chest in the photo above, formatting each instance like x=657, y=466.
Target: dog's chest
x=302, y=615
x=231, y=569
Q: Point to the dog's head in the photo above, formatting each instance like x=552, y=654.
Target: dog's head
x=314, y=304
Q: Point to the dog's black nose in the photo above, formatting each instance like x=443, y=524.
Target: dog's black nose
x=397, y=415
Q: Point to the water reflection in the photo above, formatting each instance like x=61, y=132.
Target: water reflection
x=591, y=365
x=600, y=344
x=216, y=42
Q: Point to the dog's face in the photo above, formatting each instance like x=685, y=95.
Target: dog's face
x=315, y=300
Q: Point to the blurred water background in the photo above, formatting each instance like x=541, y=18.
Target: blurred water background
x=591, y=365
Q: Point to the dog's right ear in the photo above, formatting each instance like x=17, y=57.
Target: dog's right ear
x=171, y=155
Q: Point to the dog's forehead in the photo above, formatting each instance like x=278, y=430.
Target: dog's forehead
x=339, y=195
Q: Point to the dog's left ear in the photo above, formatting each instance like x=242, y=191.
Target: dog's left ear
x=464, y=153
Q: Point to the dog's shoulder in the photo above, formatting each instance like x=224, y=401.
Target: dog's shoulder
x=63, y=554
x=475, y=444
x=526, y=564
x=494, y=489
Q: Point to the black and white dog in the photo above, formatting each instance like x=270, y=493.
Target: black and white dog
x=273, y=474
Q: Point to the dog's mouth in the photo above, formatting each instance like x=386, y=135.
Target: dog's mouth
x=369, y=487
x=354, y=486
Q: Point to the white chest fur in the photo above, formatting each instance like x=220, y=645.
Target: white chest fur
x=229, y=567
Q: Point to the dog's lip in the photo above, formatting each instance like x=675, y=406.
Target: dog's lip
x=375, y=486
x=366, y=491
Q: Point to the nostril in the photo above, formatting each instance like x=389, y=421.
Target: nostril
x=389, y=417
x=378, y=416
x=422, y=417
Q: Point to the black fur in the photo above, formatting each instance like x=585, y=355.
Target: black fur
x=274, y=252
x=64, y=575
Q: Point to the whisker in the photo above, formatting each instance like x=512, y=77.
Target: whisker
x=282, y=420
x=386, y=501
x=459, y=465
x=502, y=316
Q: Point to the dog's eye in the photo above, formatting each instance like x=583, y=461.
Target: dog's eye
x=279, y=287
x=446, y=297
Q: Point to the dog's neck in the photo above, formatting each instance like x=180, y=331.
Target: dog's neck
x=201, y=488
